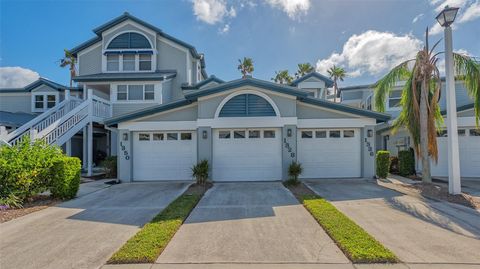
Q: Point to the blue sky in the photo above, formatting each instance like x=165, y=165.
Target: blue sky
x=277, y=34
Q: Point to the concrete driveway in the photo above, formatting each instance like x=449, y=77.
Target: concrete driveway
x=416, y=230
x=248, y=223
x=84, y=232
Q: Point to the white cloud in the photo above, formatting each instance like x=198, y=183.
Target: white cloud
x=225, y=29
x=293, y=8
x=441, y=4
x=419, y=16
x=372, y=52
x=212, y=11
x=469, y=10
x=16, y=77
x=471, y=13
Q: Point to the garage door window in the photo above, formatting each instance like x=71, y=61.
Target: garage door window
x=461, y=132
x=307, y=134
x=474, y=132
x=254, y=134
x=334, y=134
x=442, y=133
x=224, y=134
x=320, y=134
x=238, y=134
x=348, y=133
x=172, y=136
x=157, y=137
x=186, y=136
x=144, y=137
x=269, y=134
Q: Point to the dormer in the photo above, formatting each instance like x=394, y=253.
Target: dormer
x=314, y=83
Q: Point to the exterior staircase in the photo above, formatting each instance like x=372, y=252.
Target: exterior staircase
x=61, y=122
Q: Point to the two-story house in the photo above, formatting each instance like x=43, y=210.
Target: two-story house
x=469, y=136
x=150, y=92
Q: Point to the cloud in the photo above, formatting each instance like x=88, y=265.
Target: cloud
x=419, y=16
x=293, y=8
x=371, y=52
x=469, y=11
x=212, y=11
x=16, y=77
x=225, y=29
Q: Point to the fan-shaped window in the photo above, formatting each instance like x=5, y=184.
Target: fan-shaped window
x=129, y=41
x=247, y=105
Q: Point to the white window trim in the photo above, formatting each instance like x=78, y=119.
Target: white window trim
x=395, y=108
x=137, y=63
x=157, y=91
x=45, y=94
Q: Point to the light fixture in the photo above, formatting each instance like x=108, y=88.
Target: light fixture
x=370, y=133
x=125, y=136
x=204, y=134
x=289, y=132
x=447, y=16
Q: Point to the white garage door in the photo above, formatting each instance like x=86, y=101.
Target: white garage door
x=329, y=153
x=247, y=155
x=164, y=155
x=469, y=147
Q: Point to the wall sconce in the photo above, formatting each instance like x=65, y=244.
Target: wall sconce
x=204, y=134
x=125, y=136
x=289, y=132
x=370, y=133
x=387, y=137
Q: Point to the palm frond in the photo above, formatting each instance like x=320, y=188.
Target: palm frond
x=385, y=85
x=469, y=70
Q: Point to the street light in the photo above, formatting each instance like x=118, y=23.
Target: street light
x=445, y=19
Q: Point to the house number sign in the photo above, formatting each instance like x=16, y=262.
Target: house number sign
x=289, y=149
x=125, y=151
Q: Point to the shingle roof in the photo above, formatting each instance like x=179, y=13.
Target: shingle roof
x=150, y=76
x=197, y=86
x=16, y=119
x=37, y=83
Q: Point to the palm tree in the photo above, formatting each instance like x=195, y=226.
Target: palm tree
x=245, y=66
x=336, y=73
x=282, y=77
x=304, y=69
x=70, y=61
x=420, y=113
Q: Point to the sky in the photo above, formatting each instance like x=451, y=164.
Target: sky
x=366, y=38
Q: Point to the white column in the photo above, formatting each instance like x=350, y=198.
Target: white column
x=454, y=185
x=85, y=149
x=68, y=147
x=90, y=149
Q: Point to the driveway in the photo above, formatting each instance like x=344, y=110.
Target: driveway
x=85, y=232
x=250, y=222
x=416, y=230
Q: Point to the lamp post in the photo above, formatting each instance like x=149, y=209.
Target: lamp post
x=445, y=19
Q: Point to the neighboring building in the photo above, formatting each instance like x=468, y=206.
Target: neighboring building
x=149, y=92
x=469, y=136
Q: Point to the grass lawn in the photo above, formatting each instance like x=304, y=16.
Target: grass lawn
x=151, y=240
x=356, y=243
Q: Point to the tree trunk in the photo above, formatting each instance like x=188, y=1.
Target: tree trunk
x=335, y=90
x=426, y=176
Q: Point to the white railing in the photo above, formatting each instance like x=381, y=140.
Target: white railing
x=59, y=128
x=101, y=108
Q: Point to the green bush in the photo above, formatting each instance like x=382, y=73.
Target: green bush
x=65, y=178
x=25, y=170
x=406, y=160
x=200, y=171
x=383, y=163
x=294, y=170
x=110, y=166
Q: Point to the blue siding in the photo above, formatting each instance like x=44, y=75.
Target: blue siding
x=129, y=41
x=247, y=105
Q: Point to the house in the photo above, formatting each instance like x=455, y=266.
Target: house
x=469, y=136
x=151, y=94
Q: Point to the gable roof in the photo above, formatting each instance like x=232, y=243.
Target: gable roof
x=200, y=84
x=126, y=16
x=300, y=96
x=39, y=82
x=143, y=76
x=327, y=80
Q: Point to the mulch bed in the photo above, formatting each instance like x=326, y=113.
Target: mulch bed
x=37, y=203
x=198, y=189
x=299, y=190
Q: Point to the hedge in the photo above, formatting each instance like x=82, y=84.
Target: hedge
x=65, y=180
x=383, y=163
x=406, y=160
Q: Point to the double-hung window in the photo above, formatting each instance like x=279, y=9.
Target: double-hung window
x=43, y=102
x=394, y=99
x=145, y=62
x=39, y=101
x=113, y=62
x=51, y=101
x=149, y=93
x=135, y=92
x=129, y=62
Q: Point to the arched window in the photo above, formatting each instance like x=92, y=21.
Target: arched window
x=129, y=41
x=247, y=105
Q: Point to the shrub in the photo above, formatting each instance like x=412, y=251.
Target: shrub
x=383, y=163
x=66, y=178
x=406, y=161
x=393, y=164
x=200, y=171
x=25, y=169
x=110, y=166
x=294, y=170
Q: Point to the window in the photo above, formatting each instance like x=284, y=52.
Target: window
x=307, y=134
x=474, y=132
x=122, y=92
x=348, y=133
x=157, y=137
x=39, y=101
x=145, y=62
x=144, y=137
x=149, y=92
x=369, y=102
x=442, y=133
x=394, y=99
x=135, y=92
x=129, y=62
x=172, y=136
x=269, y=134
x=238, y=134
x=320, y=134
x=334, y=134
x=50, y=101
x=254, y=134
x=113, y=62
x=224, y=134
x=186, y=136
x=461, y=132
